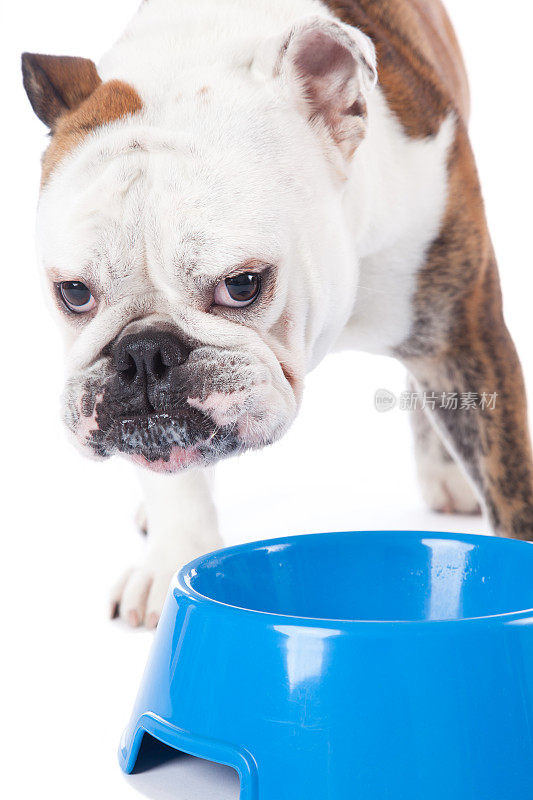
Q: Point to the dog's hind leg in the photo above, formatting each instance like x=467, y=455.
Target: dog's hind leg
x=481, y=409
x=443, y=483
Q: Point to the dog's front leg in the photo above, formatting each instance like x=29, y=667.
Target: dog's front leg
x=181, y=524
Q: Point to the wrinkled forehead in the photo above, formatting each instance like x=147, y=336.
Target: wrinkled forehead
x=137, y=197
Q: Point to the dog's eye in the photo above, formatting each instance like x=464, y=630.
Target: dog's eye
x=239, y=290
x=76, y=296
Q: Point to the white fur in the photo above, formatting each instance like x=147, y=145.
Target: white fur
x=220, y=167
x=182, y=525
x=397, y=194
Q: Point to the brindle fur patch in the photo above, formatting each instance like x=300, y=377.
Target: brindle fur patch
x=459, y=342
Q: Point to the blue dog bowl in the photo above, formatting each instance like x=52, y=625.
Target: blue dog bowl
x=373, y=666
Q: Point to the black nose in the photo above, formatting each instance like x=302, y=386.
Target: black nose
x=148, y=356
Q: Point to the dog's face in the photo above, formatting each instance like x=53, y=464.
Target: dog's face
x=186, y=250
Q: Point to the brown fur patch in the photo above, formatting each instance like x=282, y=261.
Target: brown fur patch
x=442, y=49
x=110, y=101
x=420, y=67
x=57, y=84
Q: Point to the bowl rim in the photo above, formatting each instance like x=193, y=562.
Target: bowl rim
x=182, y=585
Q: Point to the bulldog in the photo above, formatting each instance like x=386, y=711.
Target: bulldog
x=237, y=190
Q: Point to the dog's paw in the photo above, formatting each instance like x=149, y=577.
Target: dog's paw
x=447, y=491
x=139, y=595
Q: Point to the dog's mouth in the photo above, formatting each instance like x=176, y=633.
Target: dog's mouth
x=163, y=441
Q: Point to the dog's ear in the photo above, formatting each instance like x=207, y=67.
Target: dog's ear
x=328, y=67
x=57, y=84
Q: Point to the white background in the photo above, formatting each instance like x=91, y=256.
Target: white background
x=68, y=676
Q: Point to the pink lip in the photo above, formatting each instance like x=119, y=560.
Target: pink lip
x=180, y=458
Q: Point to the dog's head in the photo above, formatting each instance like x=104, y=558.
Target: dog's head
x=187, y=228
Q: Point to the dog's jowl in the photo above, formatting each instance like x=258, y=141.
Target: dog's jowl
x=235, y=191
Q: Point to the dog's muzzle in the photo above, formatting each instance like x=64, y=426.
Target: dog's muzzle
x=144, y=411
